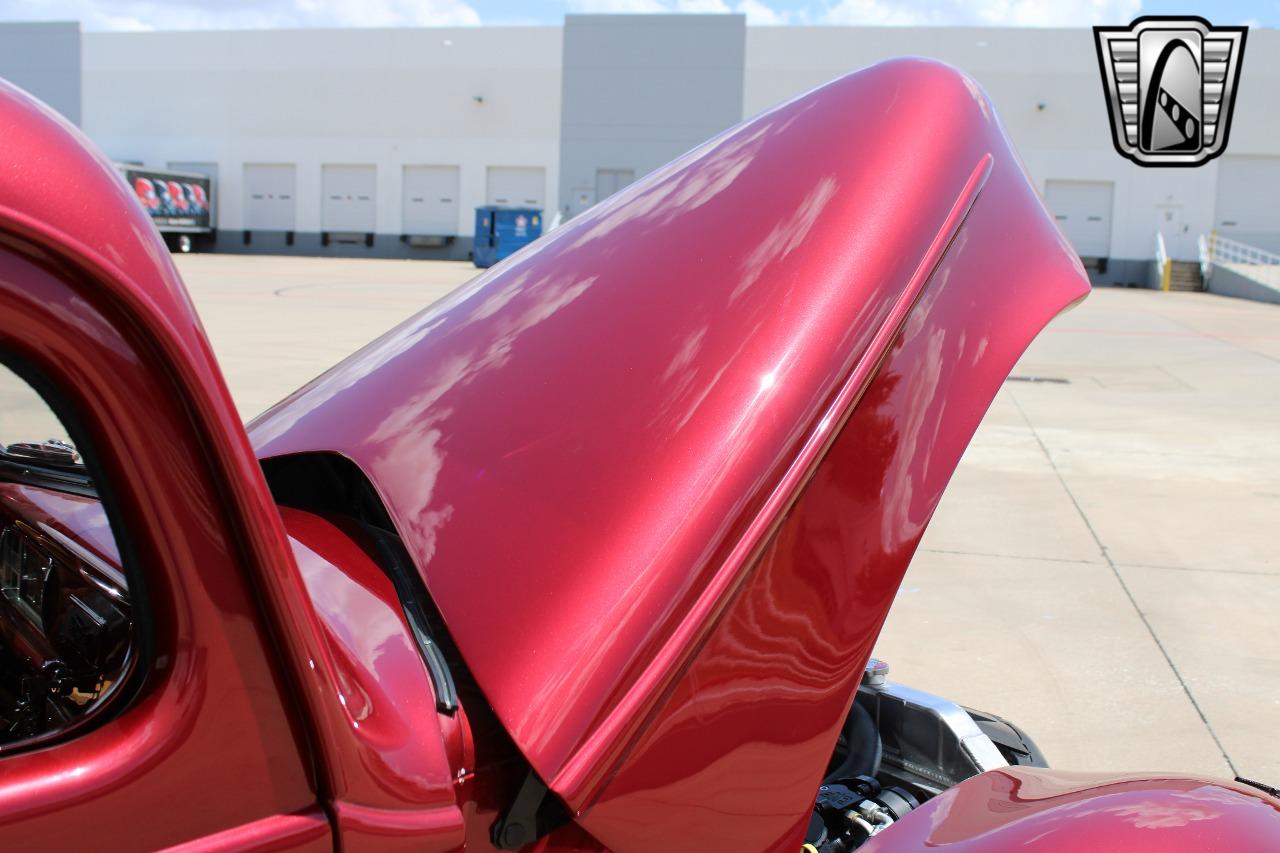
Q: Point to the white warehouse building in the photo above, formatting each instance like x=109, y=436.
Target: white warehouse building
x=399, y=134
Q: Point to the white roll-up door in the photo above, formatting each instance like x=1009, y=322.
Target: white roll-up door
x=609, y=181
x=269, y=202
x=349, y=194
x=1246, y=207
x=430, y=200
x=517, y=186
x=1082, y=210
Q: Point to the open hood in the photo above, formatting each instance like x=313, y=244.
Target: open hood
x=662, y=472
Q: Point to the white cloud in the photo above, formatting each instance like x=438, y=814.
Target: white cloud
x=1026, y=13
x=1022, y=13
x=618, y=6
x=243, y=14
x=874, y=12
x=246, y=14
x=702, y=6
x=758, y=12
x=348, y=13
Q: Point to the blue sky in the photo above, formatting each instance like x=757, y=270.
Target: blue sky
x=209, y=14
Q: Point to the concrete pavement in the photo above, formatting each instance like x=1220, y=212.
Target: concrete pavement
x=277, y=322
x=1102, y=569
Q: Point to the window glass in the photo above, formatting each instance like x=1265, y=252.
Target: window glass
x=66, y=626
x=24, y=415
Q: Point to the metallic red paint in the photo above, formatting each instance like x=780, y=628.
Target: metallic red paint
x=209, y=742
x=385, y=693
x=662, y=473
x=214, y=740
x=382, y=685
x=307, y=831
x=770, y=686
x=1049, y=811
x=594, y=451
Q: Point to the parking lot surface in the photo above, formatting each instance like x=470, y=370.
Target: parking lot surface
x=1102, y=569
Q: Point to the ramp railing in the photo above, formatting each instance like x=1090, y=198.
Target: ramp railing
x=1253, y=263
x=1203, y=253
x=1162, y=269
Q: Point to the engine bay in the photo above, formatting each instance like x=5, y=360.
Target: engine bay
x=899, y=748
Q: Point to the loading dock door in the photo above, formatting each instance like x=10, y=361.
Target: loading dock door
x=609, y=181
x=517, y=186
x=269, y=203
x=349, y=199
x=1083, y=212
x=430, y=201
x=1246, y=205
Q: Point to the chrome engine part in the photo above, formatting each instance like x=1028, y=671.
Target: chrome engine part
x=929, y=741
x=925, y=745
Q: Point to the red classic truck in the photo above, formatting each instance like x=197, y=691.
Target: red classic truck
x=590, y=555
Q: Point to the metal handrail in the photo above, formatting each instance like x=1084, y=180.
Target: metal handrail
x=1164, y=267
x=1256, y=264
x=1227, y=251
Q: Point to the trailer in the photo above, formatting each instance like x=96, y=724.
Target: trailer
x=180, y=204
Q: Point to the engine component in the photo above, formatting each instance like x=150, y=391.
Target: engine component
x=1014, y=744
x=862, y=747
x=929, y=743
x=846, y=815
x=899, y=747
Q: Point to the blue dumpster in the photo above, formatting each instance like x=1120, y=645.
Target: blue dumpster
x=501, y=231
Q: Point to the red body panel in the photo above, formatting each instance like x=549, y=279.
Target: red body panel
x=211, y=713
x=766, y=694
x=1047, y=811
x=90, y=298
x=662, y=474
x=382, y=686
x=307, y=832
x=589, y=450
x=394, y=734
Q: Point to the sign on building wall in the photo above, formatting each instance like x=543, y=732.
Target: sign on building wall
x=1170, y=84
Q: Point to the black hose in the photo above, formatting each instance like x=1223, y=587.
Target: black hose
x=865, y=748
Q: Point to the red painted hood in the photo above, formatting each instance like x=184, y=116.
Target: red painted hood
x=662, y=471
x=1047, y=811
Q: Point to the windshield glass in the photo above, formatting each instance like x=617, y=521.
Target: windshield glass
x=66, y=623
x=26, y=420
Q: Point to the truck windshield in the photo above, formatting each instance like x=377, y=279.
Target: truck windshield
x=34, y=446
x=25, y=418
